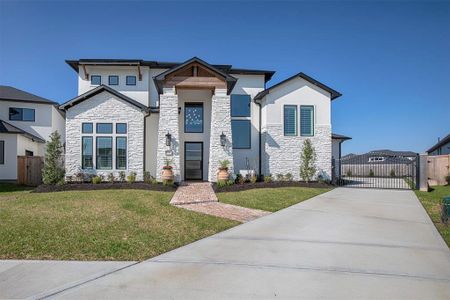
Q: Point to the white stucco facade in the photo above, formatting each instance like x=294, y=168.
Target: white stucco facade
x=47, y=119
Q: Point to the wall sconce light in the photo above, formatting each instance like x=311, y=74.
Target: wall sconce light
x=223, y=139
x=168, y=139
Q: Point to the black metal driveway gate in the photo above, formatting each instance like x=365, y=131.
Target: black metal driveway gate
x=377, y=171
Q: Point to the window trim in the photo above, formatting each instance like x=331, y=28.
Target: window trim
x=194, y=104
x=2, y=157
x=97, y=156
x=83, y=167
x=249, y=106
x=126, y=153
x=249, y=133
x=112, y=76
x=96, y=128
x=130, y=76
x=99, y=76
x=296, y=119
x=22, y=108
x=312, y=123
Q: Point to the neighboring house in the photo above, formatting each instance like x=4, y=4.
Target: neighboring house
x=132, y=115
x=26, y=121
x=382, y=163
x=441, y=147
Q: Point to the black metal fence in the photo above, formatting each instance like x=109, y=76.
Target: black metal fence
x=377, y=171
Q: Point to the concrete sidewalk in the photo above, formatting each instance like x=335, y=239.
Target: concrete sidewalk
x=344, y=244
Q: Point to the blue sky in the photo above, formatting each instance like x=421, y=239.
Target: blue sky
x=390, y=60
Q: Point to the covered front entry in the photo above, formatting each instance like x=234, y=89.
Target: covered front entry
x=193, y=160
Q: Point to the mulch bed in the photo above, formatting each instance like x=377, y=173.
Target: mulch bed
x=274, y=184
x=43, y=188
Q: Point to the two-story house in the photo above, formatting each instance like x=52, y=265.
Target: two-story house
x=132, y=115
x=26, y=122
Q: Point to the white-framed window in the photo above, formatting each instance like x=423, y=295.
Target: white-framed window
x=376, y=159
x=106, y=147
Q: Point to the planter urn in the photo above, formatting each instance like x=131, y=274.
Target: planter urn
x=167, y=173
x=223, y=174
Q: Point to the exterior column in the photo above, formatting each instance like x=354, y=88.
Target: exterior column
x=168, y=123
x=220, y=122
x=423, y=175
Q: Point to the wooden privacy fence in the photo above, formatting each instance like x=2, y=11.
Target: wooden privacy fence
x=29, y=170
x=437, y=169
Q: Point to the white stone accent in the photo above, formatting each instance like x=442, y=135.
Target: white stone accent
x=220, y=122
x=282, y=153
x=105, y=108
x=168, y=123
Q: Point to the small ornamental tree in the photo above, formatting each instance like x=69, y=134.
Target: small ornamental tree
x=53, y=171
x=307, y=161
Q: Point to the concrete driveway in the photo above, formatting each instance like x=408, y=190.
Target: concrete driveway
x=345, y=244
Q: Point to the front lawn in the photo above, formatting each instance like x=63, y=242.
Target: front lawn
x=270, y=199
x=431, y=201
x=97, y=225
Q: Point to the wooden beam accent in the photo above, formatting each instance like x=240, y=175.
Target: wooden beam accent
x=139, y=72
x=86, y=75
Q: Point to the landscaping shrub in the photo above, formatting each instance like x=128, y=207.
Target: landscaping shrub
x=80, y=177
x=253, y=179
x=280, y=177
x=224, y=164
x=111, y=177
x=349, y=173
x=221, y=183
x=371, y=173
x=122, y=176
x=268, y=178
x=230, y=182
x=240, y=179
x=392, y=174
x=308, y=161
x=53, y=171
x=288, y=177
x=96, y=179
x=131, y=178
x=167, y=182
x=147, y=177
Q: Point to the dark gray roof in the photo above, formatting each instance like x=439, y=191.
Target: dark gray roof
x=98, y=90
x=440, y=143
x=6, y=127
x=340, y=137
x=228, y=69
x=391, y=157
x=334, y=94
x=230, y=80
x=387, y=152
x=10, y=93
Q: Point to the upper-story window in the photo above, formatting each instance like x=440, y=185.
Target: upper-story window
x=96, y=79
x=113, y=80
x=193, y=117
x=131, y=80
x=21, y=114
x=290, y=120
x=87, y=128
x=240, y=105
x=104, y=128
x=307, y=120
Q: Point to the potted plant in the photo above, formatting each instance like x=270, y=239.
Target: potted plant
x=167, y=172
x=223, y=170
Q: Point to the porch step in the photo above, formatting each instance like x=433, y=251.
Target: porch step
x=193, y=193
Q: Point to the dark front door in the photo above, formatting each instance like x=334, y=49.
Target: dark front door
x=193, y=161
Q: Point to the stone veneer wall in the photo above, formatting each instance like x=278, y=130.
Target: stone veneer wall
x=168, y=122
x=220, y=122
x=105, y=108
x=282, y=153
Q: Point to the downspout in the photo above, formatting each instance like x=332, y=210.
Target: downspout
x=145, y=137
x=260, y=139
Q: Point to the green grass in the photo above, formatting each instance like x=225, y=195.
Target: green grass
x=270, y=199
x=97, y=225
x=431, y=201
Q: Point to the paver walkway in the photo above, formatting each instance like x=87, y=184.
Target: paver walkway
x=200, y=197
